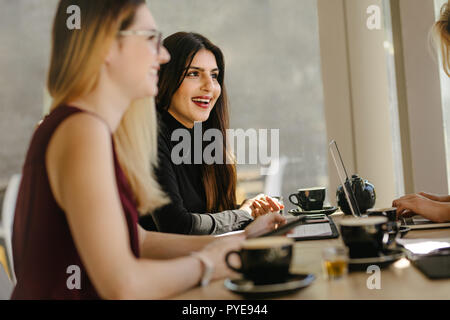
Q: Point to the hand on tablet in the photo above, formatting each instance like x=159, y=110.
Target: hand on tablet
x=264, y=224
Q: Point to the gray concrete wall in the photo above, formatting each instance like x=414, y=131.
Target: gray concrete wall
x=271, y=49
x=24, y=54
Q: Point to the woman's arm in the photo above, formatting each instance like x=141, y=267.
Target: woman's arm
x=157, y=245
x=81, y=173
x=175, y=218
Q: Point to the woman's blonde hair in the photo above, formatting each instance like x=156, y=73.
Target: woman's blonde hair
x=136, y=143
x=76, y=58
x=441, y=36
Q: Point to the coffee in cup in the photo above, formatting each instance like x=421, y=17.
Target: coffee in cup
x=365, y=237
x=309, y=198
x=264, y=260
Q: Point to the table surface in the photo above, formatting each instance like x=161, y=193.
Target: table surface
x=400, y=280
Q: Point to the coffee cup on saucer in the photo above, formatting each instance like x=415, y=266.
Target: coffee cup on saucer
x=263, y=260
x=390, y=213
x=309, y=198
x=366, y=237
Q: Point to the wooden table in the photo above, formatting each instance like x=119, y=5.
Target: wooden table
x=401, y=280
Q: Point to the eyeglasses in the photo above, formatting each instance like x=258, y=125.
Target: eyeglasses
x=151, y=34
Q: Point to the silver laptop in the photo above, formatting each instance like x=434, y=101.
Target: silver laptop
x=345, y=181
x=419, y=222
x=415, y=222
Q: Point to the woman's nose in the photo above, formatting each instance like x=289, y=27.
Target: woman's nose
x=208, y=84
x=164, y=55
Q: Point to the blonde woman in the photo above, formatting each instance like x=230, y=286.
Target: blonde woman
x=433, y=207
x=87, y=171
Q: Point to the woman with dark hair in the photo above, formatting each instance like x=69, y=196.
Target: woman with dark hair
x=203, y=196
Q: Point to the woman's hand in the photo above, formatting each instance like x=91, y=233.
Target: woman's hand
x=264, y=224
x=261, y=205
x=419, y=204
x=216, y=251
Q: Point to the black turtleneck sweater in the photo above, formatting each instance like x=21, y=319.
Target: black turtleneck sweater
x=186, y=214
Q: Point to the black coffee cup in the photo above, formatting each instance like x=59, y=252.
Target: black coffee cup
x=393, y=224
x=264, y=260
x=366, y=237
x=309, y=198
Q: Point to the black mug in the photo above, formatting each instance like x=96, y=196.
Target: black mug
x=309, y=198
x=264, y=260
x=367, y=237
x=394, y=226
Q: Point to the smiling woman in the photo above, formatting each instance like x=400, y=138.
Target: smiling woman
x=203, y=195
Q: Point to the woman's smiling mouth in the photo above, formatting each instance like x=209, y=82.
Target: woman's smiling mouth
x=202, y=101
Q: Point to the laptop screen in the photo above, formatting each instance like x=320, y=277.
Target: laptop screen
x=345, y=181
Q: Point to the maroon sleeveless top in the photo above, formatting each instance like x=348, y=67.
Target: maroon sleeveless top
x=43, y=248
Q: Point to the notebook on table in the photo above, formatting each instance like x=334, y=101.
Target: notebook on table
x=430, y=256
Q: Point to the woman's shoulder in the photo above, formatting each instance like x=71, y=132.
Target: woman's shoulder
x=81, y=146
x=83, y=125
x=82, y=132
x=59, y=127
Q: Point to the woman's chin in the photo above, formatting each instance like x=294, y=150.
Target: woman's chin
x=152, y=91
x=202, y=116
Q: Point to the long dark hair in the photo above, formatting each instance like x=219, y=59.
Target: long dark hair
x=219, y=180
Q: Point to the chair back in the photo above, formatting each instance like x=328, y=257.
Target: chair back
x=6, y=286
x=7, y=218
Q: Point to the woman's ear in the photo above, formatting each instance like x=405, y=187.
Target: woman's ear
x=112, y=52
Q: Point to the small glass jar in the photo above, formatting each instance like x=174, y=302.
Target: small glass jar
x=335, y=262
